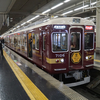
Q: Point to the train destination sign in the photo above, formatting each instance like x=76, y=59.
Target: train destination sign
x=89, y=27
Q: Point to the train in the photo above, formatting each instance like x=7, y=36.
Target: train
x=63, y=47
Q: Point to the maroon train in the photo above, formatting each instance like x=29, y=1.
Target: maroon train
x=62, y=46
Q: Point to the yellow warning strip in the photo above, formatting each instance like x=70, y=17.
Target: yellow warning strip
x=32, y=91
x=96, y=60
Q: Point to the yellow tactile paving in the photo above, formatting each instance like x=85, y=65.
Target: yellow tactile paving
x=96, y=60
x=33, y=92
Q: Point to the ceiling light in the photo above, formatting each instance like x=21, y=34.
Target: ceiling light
x=18, y=26
x=55, y=16
x=67, y=12
x=23, y=23
x=81, y=7
x=33, y=18
x=93, y=3
x=66, y=1
x=57, y=5
x=46, y=11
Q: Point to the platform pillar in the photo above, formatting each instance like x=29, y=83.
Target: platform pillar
x=98, y=26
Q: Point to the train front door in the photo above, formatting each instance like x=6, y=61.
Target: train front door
x=76, y=47
x=30, y=45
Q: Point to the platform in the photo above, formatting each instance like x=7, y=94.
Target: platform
x=97, y=60
x=35, y=83
x=10, y=87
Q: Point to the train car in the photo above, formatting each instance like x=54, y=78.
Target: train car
x=62, y=47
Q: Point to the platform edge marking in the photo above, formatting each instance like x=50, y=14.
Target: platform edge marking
x=96, y=60
x=25, y=86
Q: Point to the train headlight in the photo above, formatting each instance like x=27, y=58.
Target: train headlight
x=86, y=57
x=57, y=60
x=90, y=57
x=62, y=60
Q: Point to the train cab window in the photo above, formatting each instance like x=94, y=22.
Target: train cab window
x=59, y=41
x=75, y=41
x=33, y=41
x=37, y=41
x=88, y=39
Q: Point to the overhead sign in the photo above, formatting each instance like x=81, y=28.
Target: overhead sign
x=88, y=27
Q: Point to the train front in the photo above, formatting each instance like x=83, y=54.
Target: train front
x=72, y=52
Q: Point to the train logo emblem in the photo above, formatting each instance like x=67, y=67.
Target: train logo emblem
x=76, y=57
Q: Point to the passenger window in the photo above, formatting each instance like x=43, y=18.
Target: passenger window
x=60, y=42
x=75, y=41
x=37, y=41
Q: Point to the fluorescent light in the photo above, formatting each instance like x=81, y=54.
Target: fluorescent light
x=93, y=3
x=66, y=1
x=18, y=26
x=55, y=16
x=81, y=7
x=57, y=5
x=67, y=12
x=13, y=28
x=33, y=18
x=23, y=23
x=46, y=11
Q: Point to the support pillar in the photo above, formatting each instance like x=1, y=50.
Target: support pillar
x=98, y=26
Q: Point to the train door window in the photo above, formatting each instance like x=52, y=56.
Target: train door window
x=21, y=38
x=12, y=39
x=75, y=41
x=25, y=40
x=88, y=39
x=33, y=41
x=18, y=39
x=37, y=41
x=44, y=40
x=95, y=38
x=15, y=40
x=60, y=42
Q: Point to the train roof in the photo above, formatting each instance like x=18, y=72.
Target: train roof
x=61, y=21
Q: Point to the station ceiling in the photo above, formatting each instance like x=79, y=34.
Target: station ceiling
x=13, y=12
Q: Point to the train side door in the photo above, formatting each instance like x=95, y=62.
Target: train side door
x=29, y=45
x=44, y=49
x=76, y=48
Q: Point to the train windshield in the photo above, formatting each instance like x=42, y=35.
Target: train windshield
x=75, y=41
x=60, y=41
x=88, y=39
